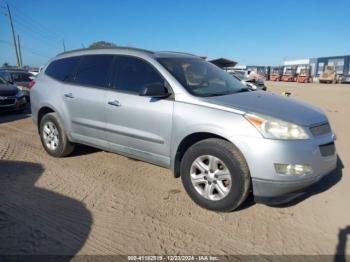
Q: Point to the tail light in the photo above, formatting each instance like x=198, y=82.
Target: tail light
x=31, y=84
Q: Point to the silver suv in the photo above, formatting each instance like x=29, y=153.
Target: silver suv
x=178, y=111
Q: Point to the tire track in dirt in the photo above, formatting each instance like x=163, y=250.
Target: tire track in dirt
x=138, y=208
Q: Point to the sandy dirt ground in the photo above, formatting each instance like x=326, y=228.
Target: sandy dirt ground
x=96, y=202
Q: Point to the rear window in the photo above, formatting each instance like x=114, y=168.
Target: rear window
x=62, y=69
x=94, y=70
x=21, y=77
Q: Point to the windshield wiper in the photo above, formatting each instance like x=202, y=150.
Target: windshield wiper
x=218, y=94
x=244, y=89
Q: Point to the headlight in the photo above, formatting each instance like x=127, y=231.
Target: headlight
x=274, y=128
x=19, y=94
x=252, y=86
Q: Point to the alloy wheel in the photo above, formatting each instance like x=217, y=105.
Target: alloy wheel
x=211, y=177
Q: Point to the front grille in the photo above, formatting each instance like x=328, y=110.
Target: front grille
x=321, y=129
x=7, y=101
x=327, y=149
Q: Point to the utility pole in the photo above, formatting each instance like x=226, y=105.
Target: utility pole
x=64, y=45
x=13, y=34
x=19, y=51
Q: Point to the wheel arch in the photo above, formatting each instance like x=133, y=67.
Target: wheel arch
x=42, y=112
x=186, y=143
x=46, y=109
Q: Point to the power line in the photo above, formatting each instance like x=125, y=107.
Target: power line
x=13, y=34
x=23, y=23
x=30, y=32
x=19, y=51
x=30, y=50
x=64, y=45
x=34, y=23
x=34, y=29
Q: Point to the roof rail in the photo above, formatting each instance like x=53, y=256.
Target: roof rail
x=177, y=52
x=107, y=48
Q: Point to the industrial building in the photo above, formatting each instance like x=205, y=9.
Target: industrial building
x=342, y=64
x=317, y=66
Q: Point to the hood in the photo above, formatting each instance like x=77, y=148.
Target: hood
x=8, y=90
x=270, y=104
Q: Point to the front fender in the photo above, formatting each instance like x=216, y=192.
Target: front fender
x=191, y=119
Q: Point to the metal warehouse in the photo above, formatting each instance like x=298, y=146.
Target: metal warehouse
x=318, y=65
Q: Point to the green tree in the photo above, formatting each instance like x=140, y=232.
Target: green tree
x=102, y=44
x=6, y=65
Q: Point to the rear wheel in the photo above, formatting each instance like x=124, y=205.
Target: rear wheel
x=53, y=137
x=215, y=175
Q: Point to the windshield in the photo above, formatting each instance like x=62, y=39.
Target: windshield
x=5, y=75
x=289, y=71
x=240, y=75
x=2, y=81
x=202, y=78
x=276, y=72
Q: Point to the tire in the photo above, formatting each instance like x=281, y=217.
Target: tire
x=233, y=167
x=63, y=146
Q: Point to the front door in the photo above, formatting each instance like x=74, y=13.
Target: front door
x=136, y=125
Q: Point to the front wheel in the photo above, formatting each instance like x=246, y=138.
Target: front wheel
x=215, y=175
x=53, y=137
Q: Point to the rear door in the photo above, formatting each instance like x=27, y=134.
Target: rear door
x=137, y=125
x=85, y=99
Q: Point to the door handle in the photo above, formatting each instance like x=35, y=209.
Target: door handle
x=114, y=103
x=69, y=95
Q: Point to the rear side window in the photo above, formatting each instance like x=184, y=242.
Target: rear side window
x=133, y=74
x=62, y=69
x=93, y=70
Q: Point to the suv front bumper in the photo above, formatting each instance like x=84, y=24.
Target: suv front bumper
x=278, y=192
x=262, y=155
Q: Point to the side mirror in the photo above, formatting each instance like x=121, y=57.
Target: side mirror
x=157, y=90
x=10, y=82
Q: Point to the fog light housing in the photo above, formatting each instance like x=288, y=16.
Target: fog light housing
x=293, y=169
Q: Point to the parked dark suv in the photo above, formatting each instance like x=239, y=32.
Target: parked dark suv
x=20, y=78
x=11, y=97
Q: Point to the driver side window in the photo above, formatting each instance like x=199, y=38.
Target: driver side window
x=132, y=74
